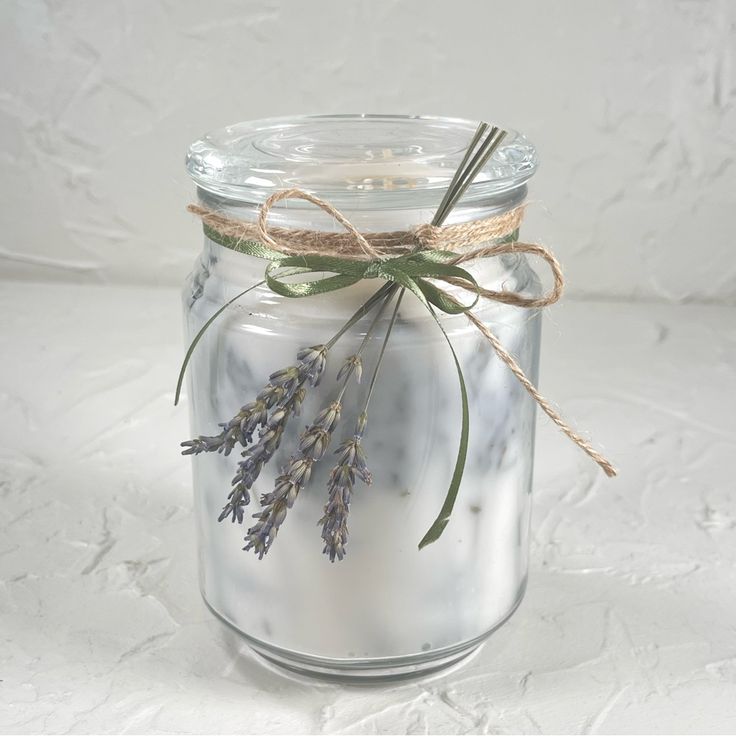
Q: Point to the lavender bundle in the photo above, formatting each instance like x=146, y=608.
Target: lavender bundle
x=268, y=416
x=312, y=446
x=285, y=392
x=417, y=270
x=279, y=400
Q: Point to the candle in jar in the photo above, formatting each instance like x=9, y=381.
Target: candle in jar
x=388, y=607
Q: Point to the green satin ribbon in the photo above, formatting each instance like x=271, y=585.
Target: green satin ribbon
x=409, y=271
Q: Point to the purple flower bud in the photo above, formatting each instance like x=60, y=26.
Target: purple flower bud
x=312, y=362
x=329, y=417
x=352, y=364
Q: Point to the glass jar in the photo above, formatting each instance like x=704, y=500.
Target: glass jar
x=387, y=609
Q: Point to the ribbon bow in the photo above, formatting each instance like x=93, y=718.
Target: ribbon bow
x=412, y=271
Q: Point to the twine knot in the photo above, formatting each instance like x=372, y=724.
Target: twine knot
x=428, y=235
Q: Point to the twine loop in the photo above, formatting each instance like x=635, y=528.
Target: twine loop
x=265, y=210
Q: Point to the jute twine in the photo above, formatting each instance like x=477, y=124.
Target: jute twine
x=458, y=238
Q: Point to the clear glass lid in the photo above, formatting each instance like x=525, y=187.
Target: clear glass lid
x=370, y=161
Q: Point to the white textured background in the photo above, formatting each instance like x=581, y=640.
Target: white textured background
x=628, y=625
x=631, y=105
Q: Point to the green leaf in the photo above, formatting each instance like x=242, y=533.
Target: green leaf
x=443, y=518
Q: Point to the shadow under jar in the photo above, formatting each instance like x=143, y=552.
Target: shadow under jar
x=387, y=609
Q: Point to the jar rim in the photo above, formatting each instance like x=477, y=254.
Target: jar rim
x=353, y=160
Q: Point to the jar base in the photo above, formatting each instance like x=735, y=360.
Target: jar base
x=357, y=671
x=369, y=670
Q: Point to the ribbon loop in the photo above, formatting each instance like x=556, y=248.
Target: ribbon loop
x=415, y=269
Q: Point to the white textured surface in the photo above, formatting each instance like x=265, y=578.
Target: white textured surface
x=628, y=623
x=632, y=106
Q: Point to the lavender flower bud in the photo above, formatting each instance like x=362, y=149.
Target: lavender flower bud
x=300, y=469
x=238, y=499
x=279, y=514
x=360, y=424
x=277, y=418
x=296, y=401
x=329, y=417
x=313, y=361
x=271, y=395
x=352, y=364
x=286, y=378
x=312, y=445
x=314, y=442
x=201, y=444
x=351, y=463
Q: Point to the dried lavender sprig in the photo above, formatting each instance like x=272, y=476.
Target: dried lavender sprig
x=284, y=396
x=238, y=430
x=241, y=427
x=351, y=463
x=279, y=391
x=291, y=385
x=258, y=455
x=313, y=444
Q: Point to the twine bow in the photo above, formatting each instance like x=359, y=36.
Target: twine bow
x=421, y=262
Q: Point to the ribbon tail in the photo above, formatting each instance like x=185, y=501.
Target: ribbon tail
x=193, y=345
x=443, y=518
x=506, y=357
